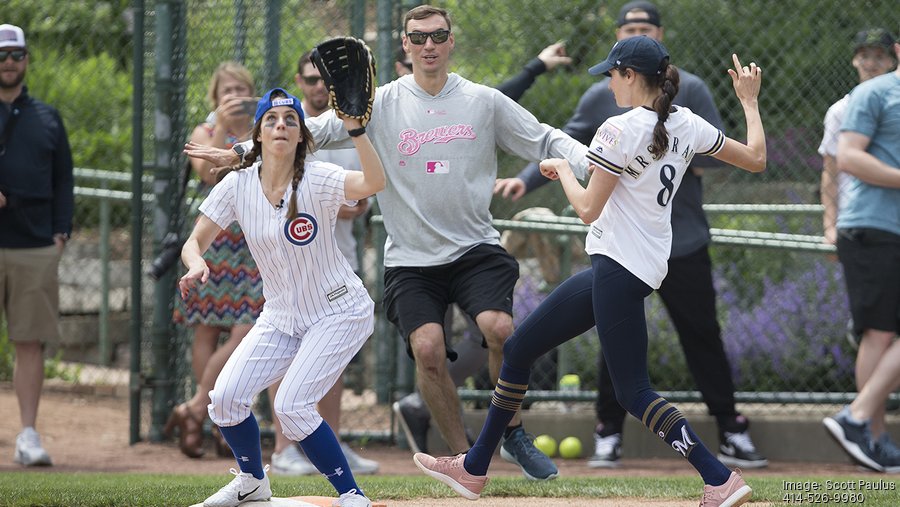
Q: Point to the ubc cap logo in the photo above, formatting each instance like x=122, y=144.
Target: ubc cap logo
x=301, y=230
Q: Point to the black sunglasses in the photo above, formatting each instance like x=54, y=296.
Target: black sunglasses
x=437, y=36
x=312, y=80
x=17, y=55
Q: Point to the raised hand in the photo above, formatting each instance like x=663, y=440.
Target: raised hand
x=746, y=80
x=554, y=55
x=218, y=156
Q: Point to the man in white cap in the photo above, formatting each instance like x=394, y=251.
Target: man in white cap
x=36, y=206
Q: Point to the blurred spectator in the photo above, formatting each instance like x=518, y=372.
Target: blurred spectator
x=288, y=458
x=873, y=55
x=687, y=291
x=36, y=206
x=868, y=244
x=232, y=299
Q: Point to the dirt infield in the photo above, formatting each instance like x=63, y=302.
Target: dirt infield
x=90, y=434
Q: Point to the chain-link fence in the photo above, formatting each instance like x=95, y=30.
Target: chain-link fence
x=782, y=305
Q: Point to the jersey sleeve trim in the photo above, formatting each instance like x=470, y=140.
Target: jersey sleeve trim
x=601, y=162
x=720, y=142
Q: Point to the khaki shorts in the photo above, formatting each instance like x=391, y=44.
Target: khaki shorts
x=29, y=293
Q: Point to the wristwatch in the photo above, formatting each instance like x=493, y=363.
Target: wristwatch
x=237, y=148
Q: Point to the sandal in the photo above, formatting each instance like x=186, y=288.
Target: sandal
x=190, y=431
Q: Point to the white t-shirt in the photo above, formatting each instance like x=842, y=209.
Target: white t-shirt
x=635, y=227
x=833, y=119
x=305, y=276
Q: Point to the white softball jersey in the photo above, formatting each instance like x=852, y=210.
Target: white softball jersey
x=305, y=275
x=343, y=227
x=634, y=228
x=440, y=157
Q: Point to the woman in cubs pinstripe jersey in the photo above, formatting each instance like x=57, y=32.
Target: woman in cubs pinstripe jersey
x=317, y=313
x=638, y=160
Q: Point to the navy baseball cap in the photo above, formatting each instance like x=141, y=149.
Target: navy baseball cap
x=643, y=54
x=874, y=37
x=267, y=102
x=641, y=5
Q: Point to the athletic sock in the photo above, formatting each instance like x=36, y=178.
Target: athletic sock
x=243, y=439
x=505, y=402
x=324, y=451
x=666, y=421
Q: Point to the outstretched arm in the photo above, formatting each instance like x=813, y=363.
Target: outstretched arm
x=362, y=184
x=751, y=156
x=588, y=203
x=218, y=156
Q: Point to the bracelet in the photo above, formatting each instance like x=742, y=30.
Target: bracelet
x=357, y=132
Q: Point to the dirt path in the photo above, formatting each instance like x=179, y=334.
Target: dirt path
x=90, y=434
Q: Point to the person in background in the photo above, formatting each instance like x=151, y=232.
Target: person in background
x=233, y=299
x=288, y=458
x=687, y=292
x=868, y=245
x=638, y=160
x=873, y=55
x=37, y=202
x=411, y=411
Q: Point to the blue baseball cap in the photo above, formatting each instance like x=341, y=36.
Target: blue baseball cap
x=643, y=54
x=267, y=102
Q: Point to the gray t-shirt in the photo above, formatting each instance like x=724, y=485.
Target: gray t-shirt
x=440, y=156
x=690, y=230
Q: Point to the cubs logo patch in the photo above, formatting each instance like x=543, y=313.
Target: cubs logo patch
x=301, y=230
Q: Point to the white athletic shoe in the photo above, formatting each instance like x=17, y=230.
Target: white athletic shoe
x=358, y=464
x=243, y=488
x=352, y=499
x=29, y=451
x=291, y=461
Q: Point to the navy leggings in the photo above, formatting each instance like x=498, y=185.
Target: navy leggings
x=615, y=297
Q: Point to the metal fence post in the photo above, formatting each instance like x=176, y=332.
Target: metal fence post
x=137, y=223
x=272, y=48
x=103, y=317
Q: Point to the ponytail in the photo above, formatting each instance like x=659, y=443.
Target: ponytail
x=668, y=82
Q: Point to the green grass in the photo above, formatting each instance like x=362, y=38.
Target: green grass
x=49, y=489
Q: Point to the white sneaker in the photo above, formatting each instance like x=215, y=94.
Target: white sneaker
x=352, y=499
x=291, y=461
x=29, y=451
x=243, y=488
x=607, y=451
x=358, y=464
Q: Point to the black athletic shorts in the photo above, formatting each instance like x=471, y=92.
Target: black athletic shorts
x=871, y=260
x=482, y=279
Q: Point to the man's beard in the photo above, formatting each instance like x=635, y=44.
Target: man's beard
x=16, y=81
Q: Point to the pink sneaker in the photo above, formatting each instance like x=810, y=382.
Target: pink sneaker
x=451, y=472
x=734, y=492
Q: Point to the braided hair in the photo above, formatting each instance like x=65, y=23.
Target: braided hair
x=667, y=81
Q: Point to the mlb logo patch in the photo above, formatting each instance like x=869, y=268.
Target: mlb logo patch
x=301, y=230
x=437, y=166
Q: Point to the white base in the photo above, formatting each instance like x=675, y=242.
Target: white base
x=274, y=502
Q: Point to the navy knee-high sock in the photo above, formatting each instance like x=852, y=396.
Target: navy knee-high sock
x=324, y=451
x=243, y=439
x=507, y=398
x=666, y=422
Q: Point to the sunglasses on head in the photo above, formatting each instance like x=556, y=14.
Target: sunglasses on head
x=437, y=36
x=17, y=55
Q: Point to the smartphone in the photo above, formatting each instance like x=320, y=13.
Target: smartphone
x=250, y=106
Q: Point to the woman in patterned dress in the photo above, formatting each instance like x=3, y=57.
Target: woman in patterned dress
x=232, y=299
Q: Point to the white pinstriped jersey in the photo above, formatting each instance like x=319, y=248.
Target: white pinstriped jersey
x=305, y=276
x=635, y=226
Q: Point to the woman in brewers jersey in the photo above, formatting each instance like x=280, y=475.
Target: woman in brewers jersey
x=638, y=160
x=317, y=313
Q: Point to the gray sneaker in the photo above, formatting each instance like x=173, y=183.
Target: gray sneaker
x=854, y=437
x=607, y=451
x=519, y=449
x=358, y=464
x=29, y=451
x=291, y=461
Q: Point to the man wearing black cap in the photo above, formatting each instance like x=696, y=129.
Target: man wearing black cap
x=36, y=205
x=687, y=291
x=873, y=55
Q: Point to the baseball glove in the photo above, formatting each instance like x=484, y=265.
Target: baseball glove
x=348, y=69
